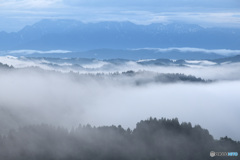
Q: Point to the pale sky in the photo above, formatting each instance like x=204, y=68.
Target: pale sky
x=15, y=14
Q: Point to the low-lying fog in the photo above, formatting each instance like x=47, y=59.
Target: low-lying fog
x=202, y=68
x=30, y=96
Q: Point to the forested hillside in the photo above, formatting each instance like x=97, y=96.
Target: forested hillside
x=152, y=139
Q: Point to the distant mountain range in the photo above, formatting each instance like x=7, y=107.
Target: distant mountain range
x=76, y=36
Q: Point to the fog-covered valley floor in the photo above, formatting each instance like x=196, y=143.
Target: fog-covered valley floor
x=67, y=92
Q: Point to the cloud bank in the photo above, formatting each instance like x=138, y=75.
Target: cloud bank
x=37, y=51
x=204, y=69
x=32, y=96
x=224, y=52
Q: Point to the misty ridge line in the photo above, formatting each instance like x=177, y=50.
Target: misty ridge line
x=151, y=139
x=205, y=69
x=137, y=78
x=85, y=63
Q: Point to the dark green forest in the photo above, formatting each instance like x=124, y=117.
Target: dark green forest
x=152, y=139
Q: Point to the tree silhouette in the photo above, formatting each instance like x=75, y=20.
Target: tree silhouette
x=163, y=139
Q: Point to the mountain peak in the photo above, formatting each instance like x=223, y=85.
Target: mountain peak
x=76, y=35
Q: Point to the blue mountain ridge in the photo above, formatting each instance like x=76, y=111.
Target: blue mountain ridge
x=77, y=36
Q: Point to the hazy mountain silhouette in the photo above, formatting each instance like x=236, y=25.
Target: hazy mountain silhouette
x=75, y=35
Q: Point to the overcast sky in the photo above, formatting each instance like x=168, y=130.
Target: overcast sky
x=15, y=14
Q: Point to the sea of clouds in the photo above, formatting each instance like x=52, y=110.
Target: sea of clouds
x=54, y=96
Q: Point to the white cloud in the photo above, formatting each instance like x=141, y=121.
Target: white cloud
x=37, y=51
x=14, y=61
x=27, y=4
x=208, y=19
x=224, y=52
